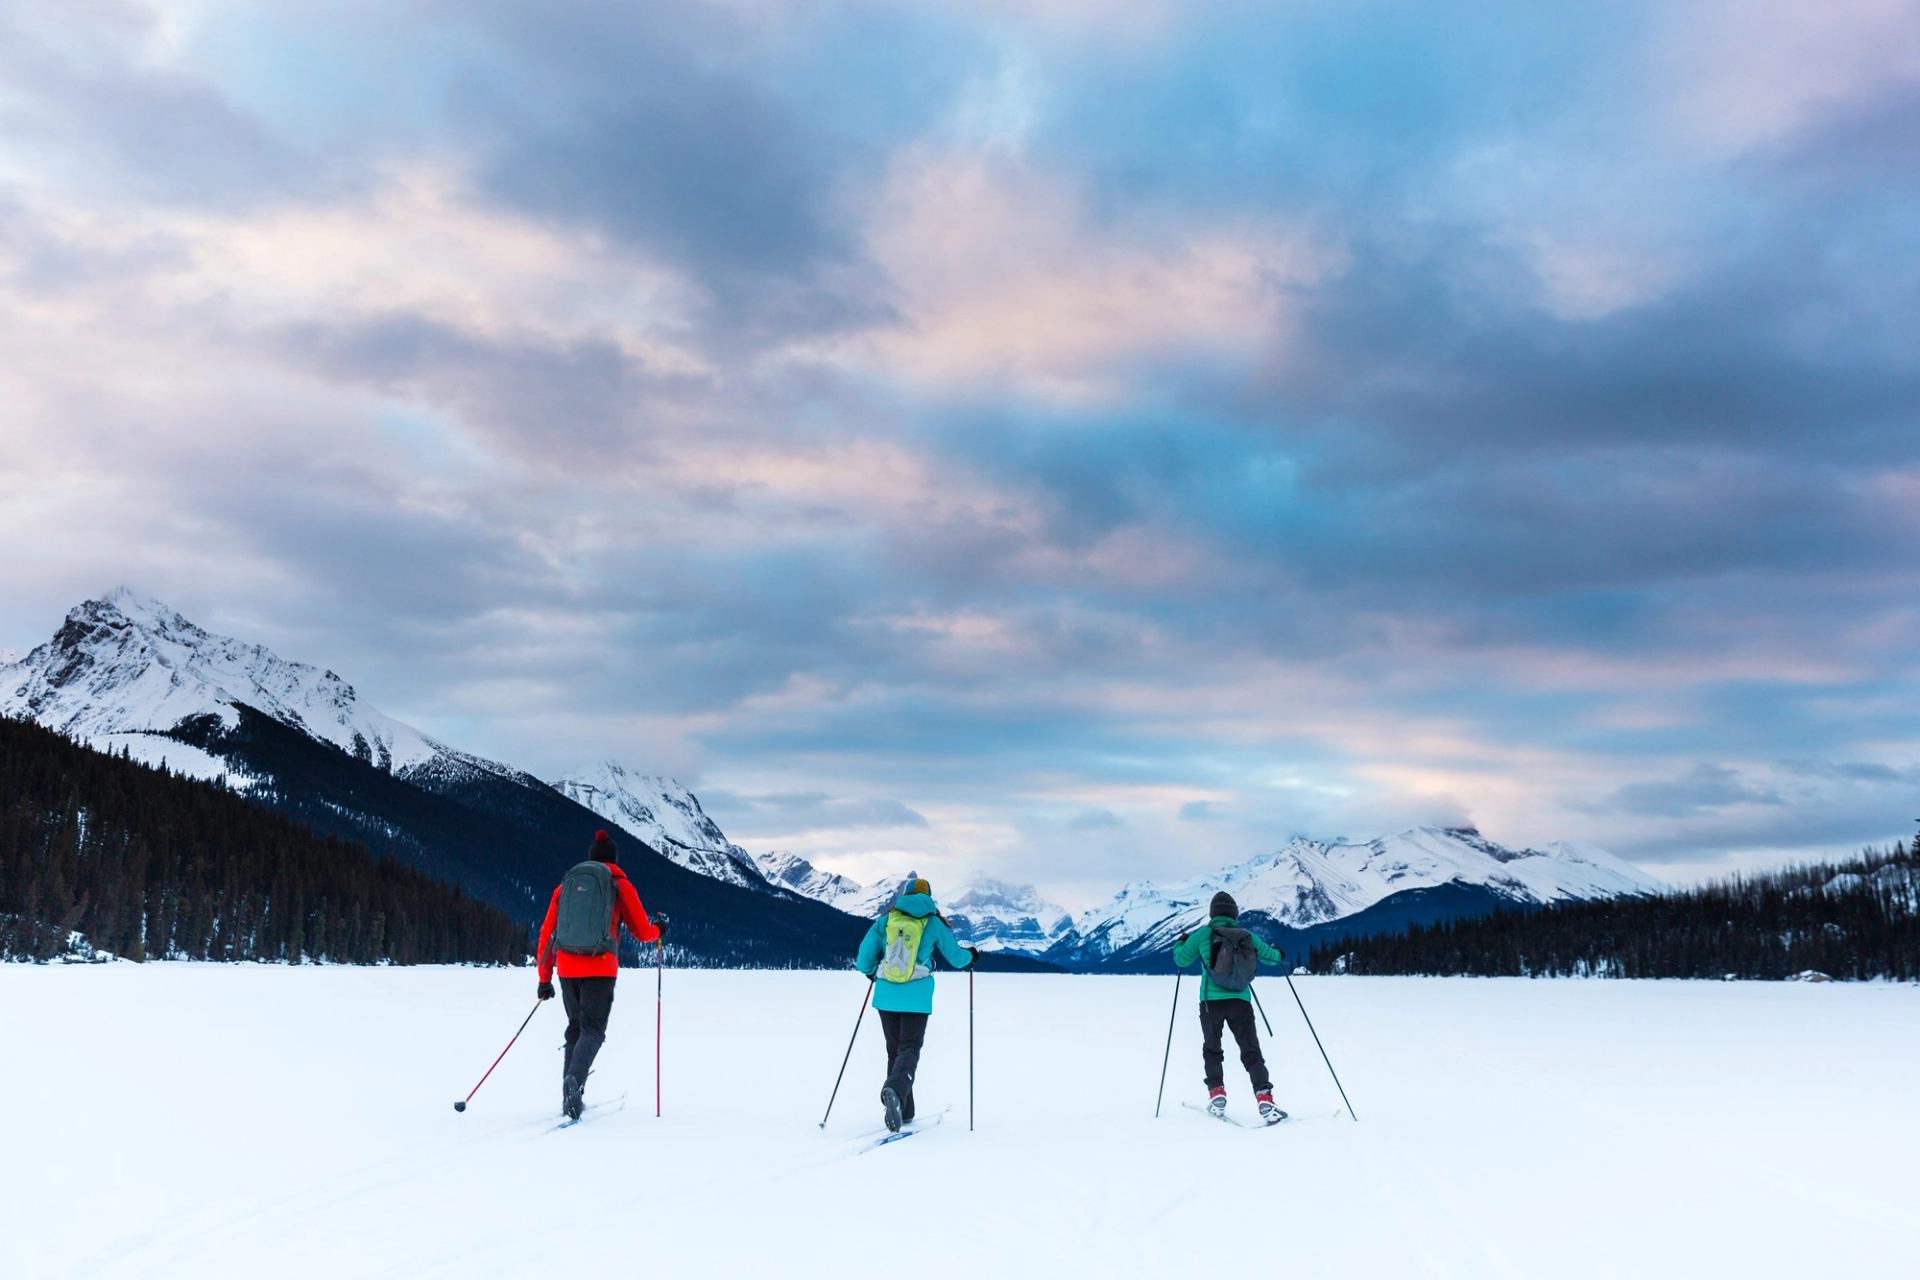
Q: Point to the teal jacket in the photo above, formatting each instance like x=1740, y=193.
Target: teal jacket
x=915, y=996
x=1196, y=948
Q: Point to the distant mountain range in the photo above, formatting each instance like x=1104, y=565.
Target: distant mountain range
x=1312, y=890
x=996, y=916
x=126, y=673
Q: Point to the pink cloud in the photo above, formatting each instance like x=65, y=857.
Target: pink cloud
x=1004, y=275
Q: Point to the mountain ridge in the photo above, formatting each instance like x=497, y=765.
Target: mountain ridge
x=1308, y=883
x=127, y=671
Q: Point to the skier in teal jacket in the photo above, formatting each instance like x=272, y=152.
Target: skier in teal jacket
x=897, y=954
x=1226, y=1006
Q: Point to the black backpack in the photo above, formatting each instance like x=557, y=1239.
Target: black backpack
x=584, y=924
x=1232, y=958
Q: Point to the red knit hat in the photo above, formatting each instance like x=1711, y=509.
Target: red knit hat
x=603, y=848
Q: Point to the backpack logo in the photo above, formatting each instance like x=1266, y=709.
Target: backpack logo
x=1233, y=959
x=584, y=925
x=900, y=962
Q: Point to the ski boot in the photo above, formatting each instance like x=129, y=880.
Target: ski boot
x=571, y=1100
x=1268, y=1112
x=1217, y=1102
x=891, y=1101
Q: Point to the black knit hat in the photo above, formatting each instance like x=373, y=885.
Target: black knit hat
x=603, y=850
x=1224, y=905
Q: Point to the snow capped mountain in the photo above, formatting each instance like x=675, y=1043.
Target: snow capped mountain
x=9, y=656
x=126, y=665
x=791, y=871
x=667, y=816
x=127, y=672
x=1311, y=882
x=995, y=916
x=990, y=915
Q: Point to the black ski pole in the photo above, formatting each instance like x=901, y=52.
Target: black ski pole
x=1262, y=1008
x=1168, y=1055
x=976, y=956
x=1322, y=1048
x=462, y=1104
x=844, y=1061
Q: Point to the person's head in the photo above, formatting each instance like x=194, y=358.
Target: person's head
x=603, y=848
x=1224, y=905
x=914, y=883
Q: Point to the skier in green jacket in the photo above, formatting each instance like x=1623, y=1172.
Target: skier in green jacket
x=897, y=954
x=1226, y=1000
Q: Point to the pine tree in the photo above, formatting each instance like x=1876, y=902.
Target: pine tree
x=149, y=865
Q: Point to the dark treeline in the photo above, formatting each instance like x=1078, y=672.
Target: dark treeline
x=148, y=865
x=1855, y=919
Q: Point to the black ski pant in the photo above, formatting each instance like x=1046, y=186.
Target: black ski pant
x=906, y=1033
x=589, y=1002
x=1237, y=1014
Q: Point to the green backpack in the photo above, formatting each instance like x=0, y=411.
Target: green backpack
x=900, y=961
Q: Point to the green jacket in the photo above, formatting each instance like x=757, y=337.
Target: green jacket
x=915, y=996
x=1196, y=948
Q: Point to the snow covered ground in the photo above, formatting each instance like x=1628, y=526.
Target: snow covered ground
x=215, y=1121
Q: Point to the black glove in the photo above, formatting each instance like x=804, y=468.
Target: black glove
x=660, y=922
x=546, y=991
x=973, y=956
x=1184, y=936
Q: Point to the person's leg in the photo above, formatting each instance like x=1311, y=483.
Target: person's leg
x=595, y=1002
x=890, y=1031
x=1246, y=1034
x=912, y=1035
x=890, y=1028
x=1212, y=1016
x=570, y=1001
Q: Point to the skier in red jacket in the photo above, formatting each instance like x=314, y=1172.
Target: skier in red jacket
x=584, y=941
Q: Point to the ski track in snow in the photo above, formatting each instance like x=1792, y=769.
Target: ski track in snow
x=214, y=1121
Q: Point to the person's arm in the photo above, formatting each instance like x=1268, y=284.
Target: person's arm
x=545, y=950
x=948, y=945
x=1187, y=950
x=868, y=961
x=1268, y=955
x=635, y=915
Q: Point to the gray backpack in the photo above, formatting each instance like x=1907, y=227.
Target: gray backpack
x=1233, y=958
x=584, y=924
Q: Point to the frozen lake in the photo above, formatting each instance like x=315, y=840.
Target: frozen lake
x=215, y=1121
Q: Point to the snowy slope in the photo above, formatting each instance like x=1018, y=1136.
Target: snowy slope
x=995, y=916
x=296, y=1123
x=183, y=758
x=1312, y=881
x=1897, y=881
x=126, y=664
x=664, y=814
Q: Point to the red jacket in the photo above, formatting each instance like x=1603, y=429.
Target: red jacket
x=626, y=910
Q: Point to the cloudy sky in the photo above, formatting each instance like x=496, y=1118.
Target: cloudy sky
x=1015, y=437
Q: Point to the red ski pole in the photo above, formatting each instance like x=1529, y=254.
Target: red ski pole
x=462, y=1104
x=659, y=965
